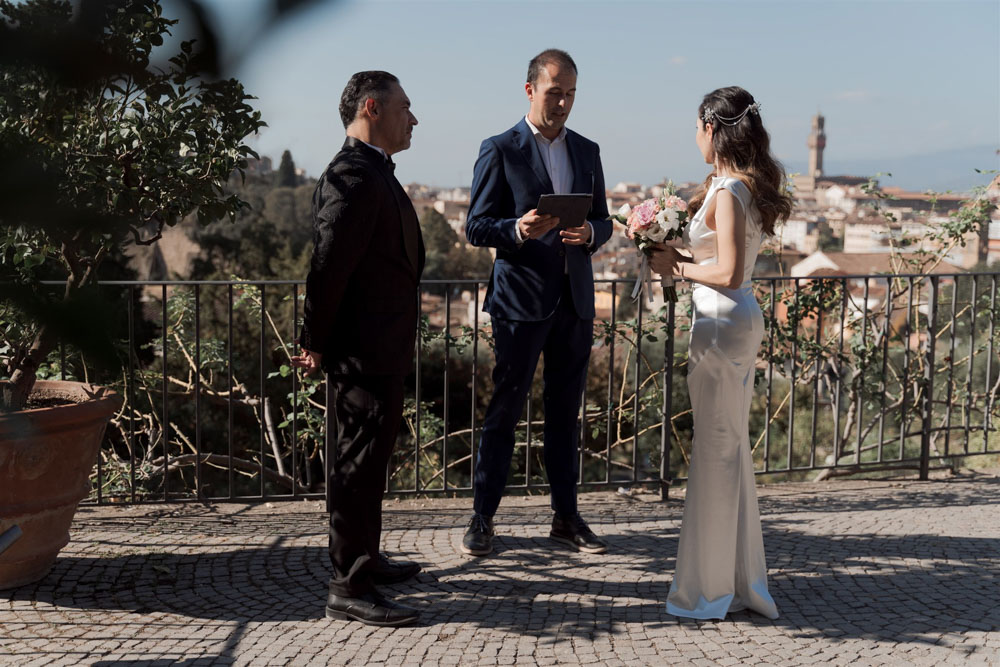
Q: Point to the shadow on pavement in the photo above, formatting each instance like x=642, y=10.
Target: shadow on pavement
x=907, y=585
x=861, y=585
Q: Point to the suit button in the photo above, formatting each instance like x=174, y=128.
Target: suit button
x=562, y=253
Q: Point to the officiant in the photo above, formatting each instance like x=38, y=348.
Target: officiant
x=540, y=295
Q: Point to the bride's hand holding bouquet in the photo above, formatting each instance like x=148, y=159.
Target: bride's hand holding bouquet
x=652, y=225
x=666, y=260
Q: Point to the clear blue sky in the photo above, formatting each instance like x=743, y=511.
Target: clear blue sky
x=893, y=78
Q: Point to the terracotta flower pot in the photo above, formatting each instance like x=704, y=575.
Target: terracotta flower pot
x=46, y=455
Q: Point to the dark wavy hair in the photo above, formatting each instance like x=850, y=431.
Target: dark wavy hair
x=362, y=85
x=744, y=147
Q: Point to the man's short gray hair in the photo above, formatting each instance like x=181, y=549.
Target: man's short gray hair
x=362, y=85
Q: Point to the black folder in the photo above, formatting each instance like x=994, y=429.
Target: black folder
x=571, y=209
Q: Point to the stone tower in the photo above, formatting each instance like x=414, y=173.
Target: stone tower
x=816, y=143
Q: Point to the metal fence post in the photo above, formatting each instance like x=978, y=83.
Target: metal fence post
x=928, y=411
x=668, y=403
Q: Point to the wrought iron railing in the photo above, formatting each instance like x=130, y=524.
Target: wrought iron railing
x=856, y=374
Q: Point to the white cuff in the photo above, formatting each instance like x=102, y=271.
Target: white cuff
x=517, y=233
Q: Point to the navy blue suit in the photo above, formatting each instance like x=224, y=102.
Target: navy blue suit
x=541, y=300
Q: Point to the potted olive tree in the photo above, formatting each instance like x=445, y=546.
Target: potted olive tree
x=102, y=144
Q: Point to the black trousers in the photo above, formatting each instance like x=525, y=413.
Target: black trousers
x=363, y=416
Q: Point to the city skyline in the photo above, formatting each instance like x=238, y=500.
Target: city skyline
x=907, y=87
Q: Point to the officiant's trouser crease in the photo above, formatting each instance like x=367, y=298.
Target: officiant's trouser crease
x=363, y=416
x=565, y=340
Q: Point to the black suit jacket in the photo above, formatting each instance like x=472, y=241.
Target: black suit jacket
x=361, y=305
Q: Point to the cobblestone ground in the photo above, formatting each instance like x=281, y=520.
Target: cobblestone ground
x=864, y=573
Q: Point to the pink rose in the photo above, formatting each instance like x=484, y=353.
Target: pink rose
x=675, y=202
x=644, y=214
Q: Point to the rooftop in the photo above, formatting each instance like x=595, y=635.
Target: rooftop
x=858, y=263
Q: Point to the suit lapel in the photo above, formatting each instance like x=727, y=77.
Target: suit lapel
x=412, y=241
x=582, y=178
x=529, y=148
x=408, y=220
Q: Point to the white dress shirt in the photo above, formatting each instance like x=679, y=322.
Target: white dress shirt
x=555, y=157
x=384, y=154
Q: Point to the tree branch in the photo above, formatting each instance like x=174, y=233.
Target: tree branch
x=225, y=461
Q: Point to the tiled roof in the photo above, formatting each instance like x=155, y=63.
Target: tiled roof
x=859, y=263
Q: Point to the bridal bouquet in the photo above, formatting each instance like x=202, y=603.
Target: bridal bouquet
x=658, y=220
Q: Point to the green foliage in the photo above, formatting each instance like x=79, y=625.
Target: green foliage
x=925, y=253
x=90, y=162
x=867, y=370
x=138, y=148
x=286, y=177
x=439, y=237
x=304, y=416
x=449, y=256
x=270, y=238
x=827, y=241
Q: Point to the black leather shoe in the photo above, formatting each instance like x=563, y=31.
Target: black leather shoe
x=574, y=532
x=372, y=608
x=387, y=571
x=478, y=540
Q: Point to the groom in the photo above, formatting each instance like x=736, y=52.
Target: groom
x=360, y=325
x=541, y=293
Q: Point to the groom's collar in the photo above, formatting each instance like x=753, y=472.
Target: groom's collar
x=538, y=133
x=376, y=148
x=354, y=142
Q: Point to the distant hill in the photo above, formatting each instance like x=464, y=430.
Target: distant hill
x=942, y=170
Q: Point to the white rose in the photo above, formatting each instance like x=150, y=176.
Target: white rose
x=672, y=223
x=656, y=233
x=625, y=210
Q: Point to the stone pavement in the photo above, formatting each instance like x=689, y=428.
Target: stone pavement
x=864, y=573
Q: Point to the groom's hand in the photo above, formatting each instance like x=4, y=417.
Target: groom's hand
x=531, y=225
x=576, y=235
x=309, y=360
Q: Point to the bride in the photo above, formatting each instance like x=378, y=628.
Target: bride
x=720, y=556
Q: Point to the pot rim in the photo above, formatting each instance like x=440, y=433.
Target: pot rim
x=95, y=402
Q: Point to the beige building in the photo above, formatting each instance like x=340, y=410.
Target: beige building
x=868, y=235
x=800, y=233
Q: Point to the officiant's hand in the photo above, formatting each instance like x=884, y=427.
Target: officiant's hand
x=666, y=260
x=576, y=235
x=531, y=225
x=309, y=360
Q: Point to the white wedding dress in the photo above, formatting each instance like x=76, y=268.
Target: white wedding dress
x=720, y=556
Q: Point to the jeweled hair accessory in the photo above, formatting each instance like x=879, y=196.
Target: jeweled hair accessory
x=709, y=115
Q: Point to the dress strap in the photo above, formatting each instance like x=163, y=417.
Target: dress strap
x=739, y=191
